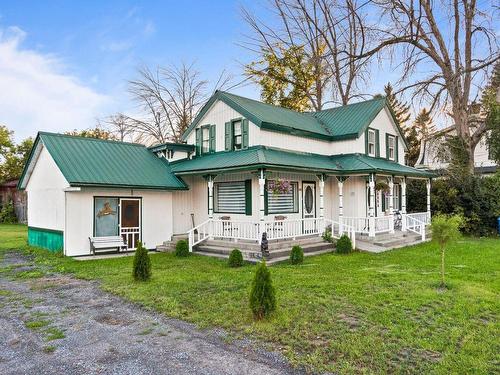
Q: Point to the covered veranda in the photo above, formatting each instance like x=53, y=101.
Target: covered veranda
x=263, y=164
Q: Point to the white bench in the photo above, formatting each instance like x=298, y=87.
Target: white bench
x=106, y=243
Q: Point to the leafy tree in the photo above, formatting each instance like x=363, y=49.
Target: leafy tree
x=12, y=156
x=421, y=128
x=262, y=295
x=142, y=263
x=285, y=80
x=6, y=140
x=8, y=214
x=400, y=109
x=445, y=229
x=491, y=107
x=96, y=132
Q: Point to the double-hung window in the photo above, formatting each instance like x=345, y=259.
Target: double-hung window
x=371, y=142
x=237, y=135
x=283, y=202
x=205, y=139
x=391, y=147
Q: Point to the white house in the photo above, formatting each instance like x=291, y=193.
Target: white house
x=247, y=168
x=430, y=156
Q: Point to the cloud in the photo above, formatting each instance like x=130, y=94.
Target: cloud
x=117, y=46
x=37, y=94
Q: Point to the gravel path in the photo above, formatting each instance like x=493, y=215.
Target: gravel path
x=56, y=324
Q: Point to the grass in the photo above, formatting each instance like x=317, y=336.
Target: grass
x=357, y=313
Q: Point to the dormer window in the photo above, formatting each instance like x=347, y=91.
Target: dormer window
x=391, y=147
x=371, y=142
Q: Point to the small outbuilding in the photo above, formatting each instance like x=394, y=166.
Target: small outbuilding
x=84, y=187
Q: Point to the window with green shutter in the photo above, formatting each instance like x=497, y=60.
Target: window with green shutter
x=230, y=197
x=283, y=202
x=390, y=147
x=212, y=138
x=370, y=142
x=205, y=139
x=236, y=134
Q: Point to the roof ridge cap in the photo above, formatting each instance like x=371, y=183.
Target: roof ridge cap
x=90, y=139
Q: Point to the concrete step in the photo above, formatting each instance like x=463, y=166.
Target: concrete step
x=254, y=246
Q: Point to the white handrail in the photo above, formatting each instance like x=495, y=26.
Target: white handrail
x=360, y=224
x=348, y=229
x=415, y=226
x=421, y=216
x=199, y=234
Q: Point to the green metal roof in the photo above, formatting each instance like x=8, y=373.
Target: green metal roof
x=344, y=122
x=274, y=158
x=103, y=163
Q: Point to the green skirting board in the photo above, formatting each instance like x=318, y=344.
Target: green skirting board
x=50, y=239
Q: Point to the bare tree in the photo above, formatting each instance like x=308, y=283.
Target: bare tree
x=119, y=125
x=332, y=34
x=169, y=99
x=454, y=43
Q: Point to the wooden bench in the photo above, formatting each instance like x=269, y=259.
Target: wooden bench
x=106, y=243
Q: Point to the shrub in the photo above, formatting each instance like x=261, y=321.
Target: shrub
x=445, y=229
x=297, y=255
x=262, y=296
x=8, y=214
x=181, y=248
x=327, y=235
x=142, y=263
x=344, y=245
x=235, y=258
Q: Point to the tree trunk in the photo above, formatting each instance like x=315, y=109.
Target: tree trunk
x=442, y=268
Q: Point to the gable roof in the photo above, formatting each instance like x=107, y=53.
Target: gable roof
x=344, y=122
x=275, y=158
x=103, y=163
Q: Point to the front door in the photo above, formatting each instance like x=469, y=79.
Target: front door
x=309, y=206
x=130, y=221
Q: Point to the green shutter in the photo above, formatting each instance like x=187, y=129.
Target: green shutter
x=248, y=197
x=383, y=202
x=400, y=195
x=198, y=141
x=227, y=136
x=377, y=143
x=396, y=149
x=366, y=142
x=244, y=133
x=212, y=138
x=387, y=146
x=266, y=196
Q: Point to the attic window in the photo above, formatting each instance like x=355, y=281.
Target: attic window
x=371, y=142
x=237, y=135
x=390, y=147
x=205, y=141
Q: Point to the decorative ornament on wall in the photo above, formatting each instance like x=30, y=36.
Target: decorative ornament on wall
x=106, y=210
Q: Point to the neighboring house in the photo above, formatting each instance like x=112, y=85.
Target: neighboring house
x=246, y=168
x=432, y=150
x=10, y=193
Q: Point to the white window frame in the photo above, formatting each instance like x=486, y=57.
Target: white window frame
x=391, y=149
x=205, y=142
x=371, y=143
x=237, y=136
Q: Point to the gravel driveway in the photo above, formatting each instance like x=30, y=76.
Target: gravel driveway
x=56, y=324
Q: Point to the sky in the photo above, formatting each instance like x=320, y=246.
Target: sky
x=65, y=63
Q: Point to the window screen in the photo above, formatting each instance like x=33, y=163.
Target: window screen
x=229, y=197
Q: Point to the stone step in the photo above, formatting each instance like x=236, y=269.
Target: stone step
x=272, y=245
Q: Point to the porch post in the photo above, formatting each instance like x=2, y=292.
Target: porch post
x=322, y=223
x=391, y=204
x=403, y=204
x=371, y=218
x=262, y=212
x=428, y=185
x=210, y=184
x=340, y=184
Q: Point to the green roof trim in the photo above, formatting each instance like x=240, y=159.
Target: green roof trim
x=333, y=124
x=274, y=158
x=104, y=163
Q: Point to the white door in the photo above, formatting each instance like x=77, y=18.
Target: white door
x=309, y=206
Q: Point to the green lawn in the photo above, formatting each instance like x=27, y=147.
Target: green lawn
x=358, y=313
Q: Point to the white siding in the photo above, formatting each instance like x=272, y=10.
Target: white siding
x=156, y=217
x=45, y=194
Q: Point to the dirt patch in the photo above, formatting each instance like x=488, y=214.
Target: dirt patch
x=351, y=321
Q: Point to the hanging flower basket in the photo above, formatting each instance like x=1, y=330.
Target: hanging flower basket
x=279, y=187
x=383, y=186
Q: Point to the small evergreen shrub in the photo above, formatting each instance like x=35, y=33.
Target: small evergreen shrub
x=181, y=248
x=142, y=263
x=297, y=255
x=235, y=258
x=327, y=235
x=344, y=245
x=262, y=296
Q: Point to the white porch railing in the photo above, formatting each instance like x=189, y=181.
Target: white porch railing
x=421, y=216
x=360, y=224
x=383, y=224
x=276, y=229
x=414, y=225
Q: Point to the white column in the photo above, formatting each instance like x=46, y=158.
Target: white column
x=321, y=204
x=371, y=218
x=210, y=197
x=391, y=204
x=341, y=204
x=403, y=204
x=262, y=185
x=428, y=199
